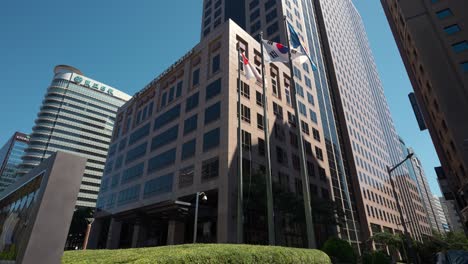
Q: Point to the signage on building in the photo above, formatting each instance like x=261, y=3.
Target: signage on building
x=78, y=79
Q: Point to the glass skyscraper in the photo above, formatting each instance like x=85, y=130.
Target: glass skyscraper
x=10, y=158
x=77, y=115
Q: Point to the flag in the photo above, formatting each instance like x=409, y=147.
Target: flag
x=277, y=52
x=250, y=72
x=297, y=43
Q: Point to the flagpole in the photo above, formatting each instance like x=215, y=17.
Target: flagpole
x=269, y=188
x=240, y=192
x=304, y=174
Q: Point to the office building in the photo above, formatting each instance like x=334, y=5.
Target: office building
x=10, y=158
x=433, y=43
x=178, y=136
x=77, y=116
x=451, y=214
x=440, y=215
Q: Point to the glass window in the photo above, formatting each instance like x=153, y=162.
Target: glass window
x=308, y=82
x=313, y=116
x=259, y=98
x=278, y=110
x=186, y=176
x=261, y=147
x=299, y=90
x=444, y=13
x=165, y=137
x=305, y=127
x=210, y=169
x=190, y=124
x=129, y=195
x=167, y=117
x=260, y=121
x=179, y=89
x=162, y=160
x=135, y=153
x=212, y=113
x=216, y=63
x=460, y=46
x=158, y=186
x=140, y=133
x=191, y=102
x=246, y=140
x=316, y=134
x=273, y=29
x=171, y=94
x=302, y=108
x=196, y=77
x=245, y=115
x=188, y=149
x=213, y=89
x=452, y=29
x=272, y=15
x=245, y=90
x=318, y=153
x=132, y=173
x=254, y=15
x=164, y=99
x=211, y=139
x=464, y=66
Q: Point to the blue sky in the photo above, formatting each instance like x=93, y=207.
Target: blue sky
x=126, y=45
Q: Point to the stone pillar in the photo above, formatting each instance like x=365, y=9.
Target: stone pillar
x=175, y=232
x=136, y=233
x=96, y=229
x=113, y=237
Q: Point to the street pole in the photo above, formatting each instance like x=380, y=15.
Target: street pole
x=88, y=231
x=195, y=224
x=397, y=201
x=270, y=212
x=304, y=174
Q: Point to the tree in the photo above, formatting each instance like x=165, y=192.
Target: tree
x=340, y=251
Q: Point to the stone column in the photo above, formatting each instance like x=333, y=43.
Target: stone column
x=136, y=233
x=175, y=232
x=113, y=237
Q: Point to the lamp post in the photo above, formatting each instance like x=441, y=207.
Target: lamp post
x=88, y=230
x=195, y=224
x=403, y=223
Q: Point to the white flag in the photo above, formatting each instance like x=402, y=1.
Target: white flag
x=250, y=72
x=277, y=52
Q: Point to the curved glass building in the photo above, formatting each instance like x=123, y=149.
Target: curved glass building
x=77, y=115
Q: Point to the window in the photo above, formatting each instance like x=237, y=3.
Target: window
x=272, y=15
x=318, y=153
x=444, y=13
x=246, y=140
x=179, y=89
x=213, y=89
x=191, y=102
x=460, y=46
x=245, y=90
x=210, y=169
x=186, y=176
x=135, y=153
x=158, y=186
x=260, y=124
x=302, y=108
x=279, y=132
x=165, y=137
x=164, y=99
x=188, y=149
x=167, y=117
x=293, y=139
x=211, y=139
x=254, y=15
x=212, y=113
x=310, y=169
x=316, y=134
x=261, y=147
x=305, y=127
x=296, y=162
x=139, y=134
x=308, y=148
x=162, y=160
x=133, y=173
x=297, y=73
x=452, y=29
x=313, y=116
x=299, y=90
x=259, y=98
x=291, y=119
x=272, y=29
x=118, y=162
x=281, y=156
x=216, y=63
x=308, y=82
x=196, y=77
x=278, y=110
x=253, y=4
x=464, y=66
x=245, y=113
x=190, y=124
x=129, y=195
x=310, y=99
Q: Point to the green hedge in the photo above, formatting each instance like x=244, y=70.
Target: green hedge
x=200, y=253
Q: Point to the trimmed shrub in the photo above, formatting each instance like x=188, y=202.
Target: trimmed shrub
x=376, y=257
x=199, y=253
x=340, y=251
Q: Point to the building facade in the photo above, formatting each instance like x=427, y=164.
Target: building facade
x=440, y=215
x=10, y=158
x=453, y=219
x=159, y=159
x=77, y=116
x=433, y=42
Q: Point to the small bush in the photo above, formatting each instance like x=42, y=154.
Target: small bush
x=376, y=257
x=199, y=253
x=340, y=251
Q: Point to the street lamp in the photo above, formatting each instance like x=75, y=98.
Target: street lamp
x=88, y=230
x=403, y=223
x=195, y=224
